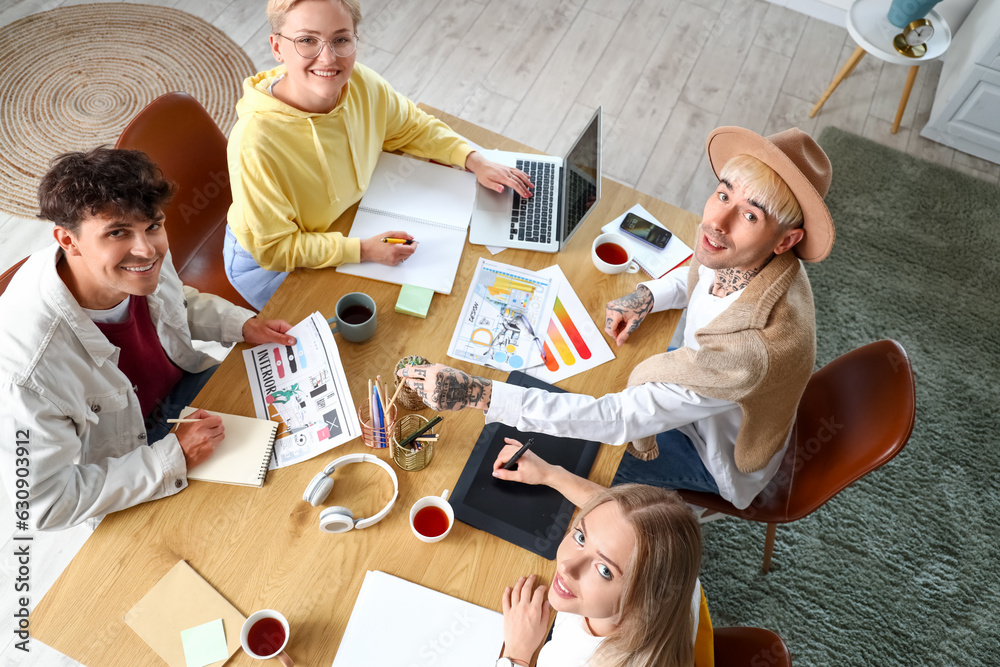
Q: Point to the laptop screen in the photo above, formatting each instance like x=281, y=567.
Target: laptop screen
x=582, y=189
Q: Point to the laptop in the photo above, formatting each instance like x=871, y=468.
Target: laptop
x=566, y=191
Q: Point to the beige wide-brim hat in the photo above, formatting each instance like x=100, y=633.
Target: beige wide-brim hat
x=800, y=163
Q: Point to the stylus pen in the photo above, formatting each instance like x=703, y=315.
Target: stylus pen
x=420, y=431
x=389, y=239
x=512, y=463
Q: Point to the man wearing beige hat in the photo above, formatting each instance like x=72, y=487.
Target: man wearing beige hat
x=716, y=414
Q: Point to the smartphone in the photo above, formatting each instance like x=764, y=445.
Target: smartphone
x=644, y=230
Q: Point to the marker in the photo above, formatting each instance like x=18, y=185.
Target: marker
x=389, y=239
x=512, y=463
x=419, y=432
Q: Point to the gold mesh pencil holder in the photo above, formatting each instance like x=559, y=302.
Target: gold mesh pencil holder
x=411, y=457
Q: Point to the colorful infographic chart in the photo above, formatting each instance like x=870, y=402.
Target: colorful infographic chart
x=573, y=343
x=504, y=305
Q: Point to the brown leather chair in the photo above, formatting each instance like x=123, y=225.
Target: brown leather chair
x=855, y=415
x=749, y=647
x=176, y=132
x=8, y=274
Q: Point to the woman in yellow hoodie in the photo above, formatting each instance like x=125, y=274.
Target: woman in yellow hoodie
x=306, y=143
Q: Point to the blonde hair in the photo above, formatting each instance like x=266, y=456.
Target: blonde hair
x=654, y=616
x=277, y=10
x=764, y=186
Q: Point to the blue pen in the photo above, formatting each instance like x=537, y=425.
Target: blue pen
x=381, y=417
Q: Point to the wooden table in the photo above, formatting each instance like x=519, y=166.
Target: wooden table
x=261, y=548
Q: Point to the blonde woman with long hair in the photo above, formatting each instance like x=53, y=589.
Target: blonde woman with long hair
x=626, y=583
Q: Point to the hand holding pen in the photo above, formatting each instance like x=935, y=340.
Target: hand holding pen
x=199, y=438
x=530, y=468
x=379, y=249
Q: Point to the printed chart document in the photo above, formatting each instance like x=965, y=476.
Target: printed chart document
x=396, y=623
x=503, y=306
x=573, y=343
x=304, y=389
x=430, y=201
x=657, y=263
x=243, y=456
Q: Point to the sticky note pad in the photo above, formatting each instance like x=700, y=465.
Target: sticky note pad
x=205, y=644
x=414, y=300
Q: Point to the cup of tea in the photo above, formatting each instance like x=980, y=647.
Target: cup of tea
x=432, y=517
x=265, y=635
x=612, y=255
x=354, y=317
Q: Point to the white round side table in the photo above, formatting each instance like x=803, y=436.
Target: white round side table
x=868, y=25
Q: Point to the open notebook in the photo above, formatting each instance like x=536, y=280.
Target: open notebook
x=396, y=623
x=243, y=455
x=430, y=201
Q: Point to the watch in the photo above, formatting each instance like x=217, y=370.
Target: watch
x=510, y=662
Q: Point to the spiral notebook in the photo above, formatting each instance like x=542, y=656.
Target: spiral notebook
x=244, y=453
x=430, y=201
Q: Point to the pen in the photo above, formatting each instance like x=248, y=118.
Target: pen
x=419, y=432
x=183, y=421
x=512, y=463
x=390, y=239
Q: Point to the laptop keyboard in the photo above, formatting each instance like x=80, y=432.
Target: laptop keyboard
x=531, y=219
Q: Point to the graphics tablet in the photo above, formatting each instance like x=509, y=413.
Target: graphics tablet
x=532, y=517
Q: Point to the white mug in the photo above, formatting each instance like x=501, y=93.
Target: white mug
x=440, y=502
x=615, y=257
x=279, y=653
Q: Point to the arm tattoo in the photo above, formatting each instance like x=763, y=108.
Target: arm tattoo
x=728, y=281
x=634, y=306
x=454, y=390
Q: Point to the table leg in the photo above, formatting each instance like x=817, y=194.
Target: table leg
x=905, y=98
x=841, y=75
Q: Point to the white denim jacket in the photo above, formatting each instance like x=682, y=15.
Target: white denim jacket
x=62, y=394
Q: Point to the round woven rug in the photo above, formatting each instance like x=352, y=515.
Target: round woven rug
x=75, y=76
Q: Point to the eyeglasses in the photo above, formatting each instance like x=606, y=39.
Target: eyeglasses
x=312, y=47
x=531, y=332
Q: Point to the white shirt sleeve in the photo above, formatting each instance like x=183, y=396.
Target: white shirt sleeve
x=670, y=291
x=636, y=412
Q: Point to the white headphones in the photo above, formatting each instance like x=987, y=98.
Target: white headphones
x=340, y=519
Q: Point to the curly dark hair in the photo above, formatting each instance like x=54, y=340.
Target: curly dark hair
x=103, y=181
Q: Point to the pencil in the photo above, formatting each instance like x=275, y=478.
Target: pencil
x=395, y=241
x=371, y=411
x=399, y=388
x=182, y=421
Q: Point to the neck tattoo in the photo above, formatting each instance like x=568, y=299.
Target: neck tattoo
x=728, y=281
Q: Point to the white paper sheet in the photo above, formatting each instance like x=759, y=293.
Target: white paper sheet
x=396, y=623
x=573, y=343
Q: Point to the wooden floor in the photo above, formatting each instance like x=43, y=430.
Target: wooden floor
x=666, y=72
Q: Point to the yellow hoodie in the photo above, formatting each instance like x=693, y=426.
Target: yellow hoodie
x=293, y=173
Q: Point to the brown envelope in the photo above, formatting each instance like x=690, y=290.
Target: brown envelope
x=182, y=600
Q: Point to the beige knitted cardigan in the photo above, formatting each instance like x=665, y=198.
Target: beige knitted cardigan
x=758, y=353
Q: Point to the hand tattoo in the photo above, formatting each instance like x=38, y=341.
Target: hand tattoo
x=454, y=390
x=728, y=281
x=632, y=307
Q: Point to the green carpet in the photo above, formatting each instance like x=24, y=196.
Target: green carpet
x=902, y=567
